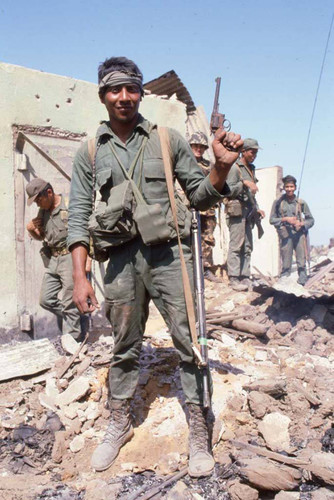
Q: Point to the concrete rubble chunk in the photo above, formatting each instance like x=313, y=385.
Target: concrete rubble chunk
x=323, y=467
x=46, y=401
x=69, y=344
x=272, y=386
x=322, y=494
x=259, y=403
x=77, y=444
x=275, y=430
x=59, y=447
x=26, y=358
x=101, y=490
x=75, y=391
x=169, y=463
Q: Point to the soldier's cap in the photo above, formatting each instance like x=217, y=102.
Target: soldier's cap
x=250, y=144
x=289, y=179
x=34, y=188
x=199, y=138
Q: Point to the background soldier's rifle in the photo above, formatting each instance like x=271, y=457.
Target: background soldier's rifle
x=200, y=304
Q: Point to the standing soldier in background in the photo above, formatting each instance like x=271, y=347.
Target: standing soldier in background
x=292, y=219
x=199, y=144
x=241, y=211
x=50, y=226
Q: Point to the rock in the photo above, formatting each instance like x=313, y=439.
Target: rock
x=71, y=411
x=261, y=355
x=82, y=367
x=275, y=430
x=168, y=463
x=59, y=447
x=287, y=495
x=304, y=340
x=259, y=403
x=322, y=494
x=306, y=324
x=323, y=467
x=272, y=386
x=181, y=492
x=93, y=411
x=69, y=344
x=100, y=490
x=283, y=327
x=75, y=391
x=240, y=491
x=47, y=402
x=267, y=475
x=51, y=390
x=77, y=444
x=74, y=427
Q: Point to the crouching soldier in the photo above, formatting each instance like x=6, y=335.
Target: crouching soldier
x=50, y=226
x=292, y=219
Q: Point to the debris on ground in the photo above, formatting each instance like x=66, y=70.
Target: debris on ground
x=271, y=357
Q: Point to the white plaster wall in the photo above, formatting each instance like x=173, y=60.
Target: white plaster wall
x=30, y=97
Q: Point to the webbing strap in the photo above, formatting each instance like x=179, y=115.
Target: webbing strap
x=166, y=156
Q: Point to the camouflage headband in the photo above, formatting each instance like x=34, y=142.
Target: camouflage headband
x=115, y=78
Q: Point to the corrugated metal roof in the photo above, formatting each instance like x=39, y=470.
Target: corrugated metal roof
x=168, y=84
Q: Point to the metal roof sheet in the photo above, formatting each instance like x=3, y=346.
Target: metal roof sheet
x=168, y=84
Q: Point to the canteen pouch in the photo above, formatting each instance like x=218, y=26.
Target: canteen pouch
x=45, y=253
x=233, y=208
x=151, y=224
x=112, y=224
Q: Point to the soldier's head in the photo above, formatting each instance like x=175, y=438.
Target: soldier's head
x=40, y=192
x=120, y=88
x=199, y=144
x=289, y=185
x=250, y=150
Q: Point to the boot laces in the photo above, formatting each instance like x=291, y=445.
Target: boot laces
x=199, y=437
x=118, y=425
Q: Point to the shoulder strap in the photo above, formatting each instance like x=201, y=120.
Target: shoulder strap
x=91, y=143
x=167, y=159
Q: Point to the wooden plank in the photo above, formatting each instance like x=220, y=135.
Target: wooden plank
x=319, y=275
x=26, y=358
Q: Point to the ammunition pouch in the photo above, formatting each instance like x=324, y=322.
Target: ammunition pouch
x=151, y=224
x=233, y=208
x=283, y=232
x=46, y=254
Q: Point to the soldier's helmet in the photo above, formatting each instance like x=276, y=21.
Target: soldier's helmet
x=199, y=138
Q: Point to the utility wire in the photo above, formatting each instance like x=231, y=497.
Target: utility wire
x=315, y=103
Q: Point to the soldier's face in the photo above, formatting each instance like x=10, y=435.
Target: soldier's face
x=249, y=155
x=198, y=150
x=122, y=102
x=45, y=200
x=290, y=189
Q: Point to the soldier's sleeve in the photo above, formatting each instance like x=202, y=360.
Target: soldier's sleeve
x=308, y=218
x=198, y=188
x=274, y=218
x=234, y=182
x=80, y=203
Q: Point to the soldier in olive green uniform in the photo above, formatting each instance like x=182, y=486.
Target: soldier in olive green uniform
x=199, y=144
x=50, y=225
x=292, y=218
x=238, y=207
x=137, y=273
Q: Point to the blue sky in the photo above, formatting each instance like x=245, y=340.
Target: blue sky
x=268, y=55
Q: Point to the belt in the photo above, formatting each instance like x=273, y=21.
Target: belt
x=56, y=252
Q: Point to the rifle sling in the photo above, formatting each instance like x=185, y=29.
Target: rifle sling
x=166, y=156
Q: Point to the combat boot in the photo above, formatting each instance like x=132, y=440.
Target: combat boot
x=119, y=432
x=201, y=462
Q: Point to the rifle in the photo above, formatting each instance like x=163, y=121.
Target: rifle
x=200, y=304
x=254, y=215
x=218, y=119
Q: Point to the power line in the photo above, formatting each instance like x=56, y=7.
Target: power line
x=315, y=103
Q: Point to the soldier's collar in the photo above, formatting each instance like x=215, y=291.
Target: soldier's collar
x=142, y=124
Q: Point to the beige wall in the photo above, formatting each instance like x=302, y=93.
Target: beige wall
x=38, y=99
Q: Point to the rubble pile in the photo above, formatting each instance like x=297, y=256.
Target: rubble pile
x=271, y=357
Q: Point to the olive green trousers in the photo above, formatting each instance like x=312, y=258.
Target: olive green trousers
x=135, y=274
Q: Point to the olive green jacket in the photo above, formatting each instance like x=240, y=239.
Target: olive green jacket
x=197, y=187
x=295, y=208
x=55, y=224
